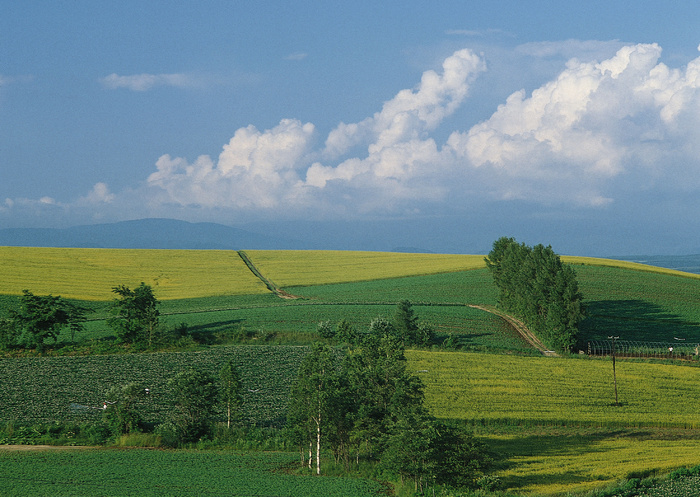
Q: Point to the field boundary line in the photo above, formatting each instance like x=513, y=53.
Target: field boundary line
x=268, y=282
x=518, y=326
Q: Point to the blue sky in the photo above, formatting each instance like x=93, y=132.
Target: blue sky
x=575, y=125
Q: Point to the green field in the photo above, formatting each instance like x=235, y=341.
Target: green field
x=49, y=388
x=112, y=472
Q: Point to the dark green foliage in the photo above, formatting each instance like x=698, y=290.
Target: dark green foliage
x=406, y=325
x=325, y=329
x=38, y=319
x=135, y=314
x=432, y=452
x=8, y=333
x=121, y=408
x=345, y=332
x=405, y=320
x=370, y=403
x=194, y=394
x=316, y=400
x=536, y=286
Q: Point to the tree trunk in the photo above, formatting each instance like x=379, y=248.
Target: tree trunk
x=311, y=453
x=318, y=446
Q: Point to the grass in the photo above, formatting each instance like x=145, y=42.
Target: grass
x=90, y=274
x=637, y=305
x=553, y=418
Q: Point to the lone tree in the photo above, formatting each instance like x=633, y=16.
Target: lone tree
x=407, y=325
x=135, y=314
x=41, y=317
x=535, y=285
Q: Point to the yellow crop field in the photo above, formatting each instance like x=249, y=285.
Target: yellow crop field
x=552, y=390
x=571, y=393
x=90, y=274
x=317, y=267
x=559, y=465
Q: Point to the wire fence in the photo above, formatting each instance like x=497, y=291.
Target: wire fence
x=632, y=348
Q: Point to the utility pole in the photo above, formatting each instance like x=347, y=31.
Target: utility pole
x=614, y=375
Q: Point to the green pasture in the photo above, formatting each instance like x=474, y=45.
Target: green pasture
x=113, y=472
x=636, y=305
x=90, y=274
x=464, y=287
x=635, y=266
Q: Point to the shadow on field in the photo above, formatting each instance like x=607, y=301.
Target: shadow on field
x=633, y=320
x=553, y=446
x=217, y=326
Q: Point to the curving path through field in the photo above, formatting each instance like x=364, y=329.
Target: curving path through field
x=518, y=326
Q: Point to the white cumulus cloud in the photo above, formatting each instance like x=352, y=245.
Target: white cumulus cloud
x=595, y=121
x=255, y=170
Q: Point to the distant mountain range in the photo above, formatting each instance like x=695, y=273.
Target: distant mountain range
x=146, y=234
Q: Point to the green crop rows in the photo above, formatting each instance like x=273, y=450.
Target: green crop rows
x=637, y=305
x=90, y=472
x=52, y=388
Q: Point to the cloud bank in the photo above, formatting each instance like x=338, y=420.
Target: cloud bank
x=596, y=132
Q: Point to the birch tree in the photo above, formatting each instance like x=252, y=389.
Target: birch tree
x=312, y=398
x=230, y=391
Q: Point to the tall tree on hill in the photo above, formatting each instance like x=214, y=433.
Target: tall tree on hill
x=535, y=285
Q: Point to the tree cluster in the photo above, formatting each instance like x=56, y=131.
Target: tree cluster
x=367, y=404
x=404, y=327
x=537, y=287
x=39, y=318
